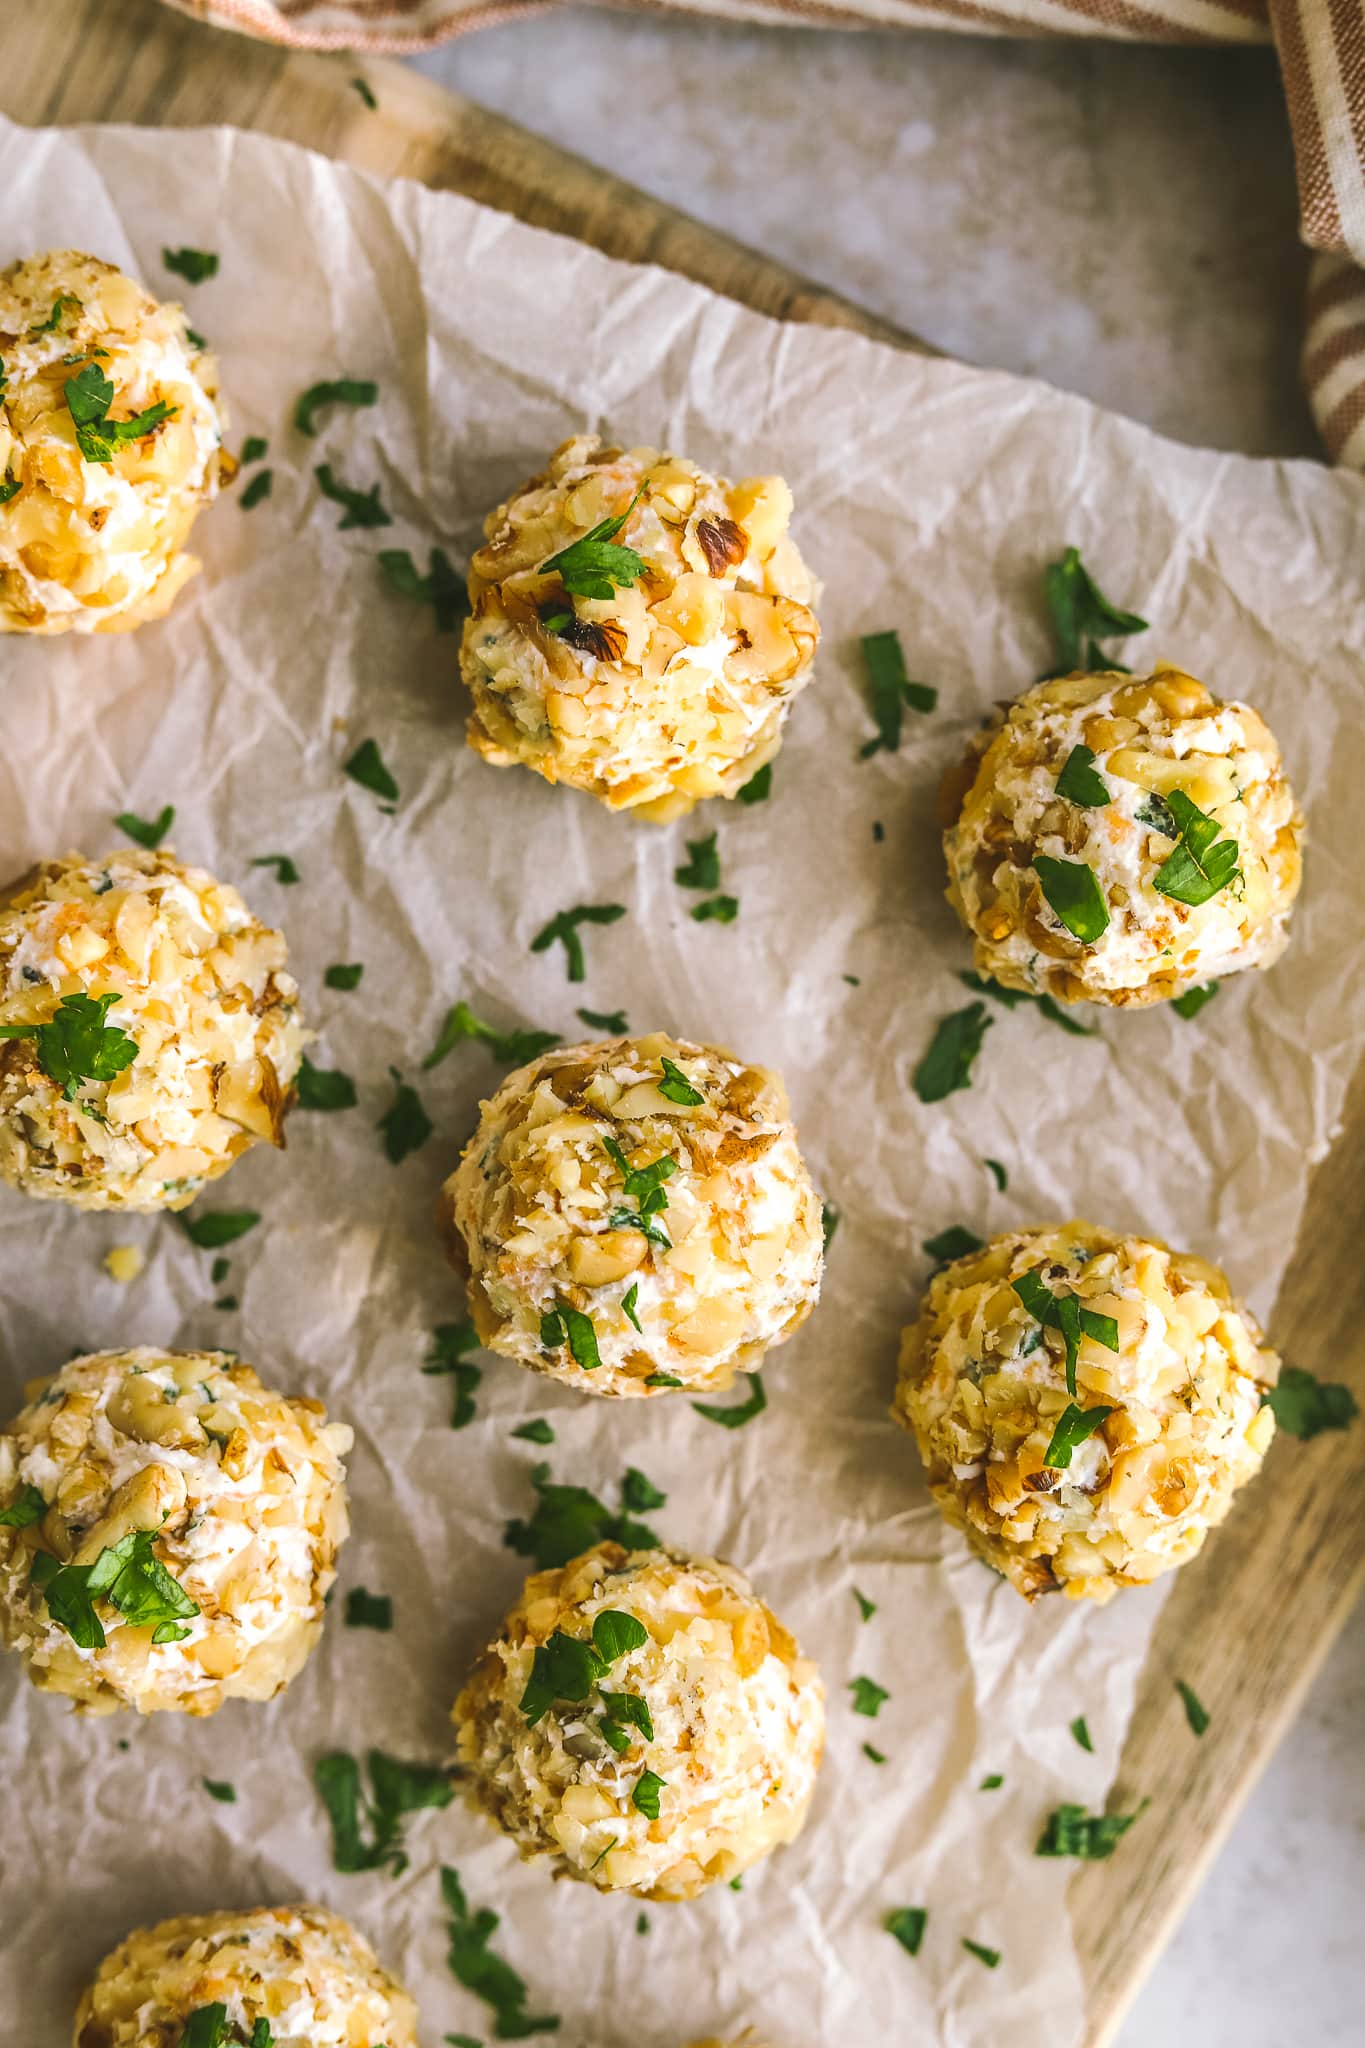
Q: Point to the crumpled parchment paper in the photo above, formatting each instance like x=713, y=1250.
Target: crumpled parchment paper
x=929, y=497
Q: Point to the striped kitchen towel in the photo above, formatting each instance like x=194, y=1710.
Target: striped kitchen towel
x=1321, y=45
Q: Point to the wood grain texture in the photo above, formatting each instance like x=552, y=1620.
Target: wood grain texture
x=1249, y=1622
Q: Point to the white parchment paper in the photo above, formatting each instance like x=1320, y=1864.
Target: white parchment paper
x=929, y=498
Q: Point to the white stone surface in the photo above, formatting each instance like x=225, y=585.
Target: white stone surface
x=1120, y=221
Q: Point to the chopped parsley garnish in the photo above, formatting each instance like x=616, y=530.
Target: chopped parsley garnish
x=253, y=448
x=366, y=766
x=735, y=1417
x=536, y=1432
x=908, y=1923
x=89, y=395
x=510, y=1048
x=564, y=928
x=76, y=1045
x=1153, y=811
x=1064, y=1312
x=324, y=1088
x=625, y=1710
x=1081, y=1733
x=1074, y=895
x=675, y=1086
x=997, y=1173
x=890, y=690
x=129, y=1577
x=1010, y=999
x=592, y=566
x=473, y=1964
x=368, y=1610
x=195, y=338
x=1306, y=1406
x=27, y=1508
x=219, y=1271
x=206, y=2027
x=759, y=787
x=262, y=2037
x=701, y=870
x=992, y=1783
x=1079, y=612
x=285, y=870
x=644, y=1193
x=612, y=1023
x=1081, y=783
x=1073, y=1426
x=366, y=91
x=258, y=490
x=570, y=1667
x=947, y=1065
x=332, y=391
x=344, y=975
x=1071, y=1831
x=1194, y=999
x=989, y=1956
x=569, y=1520
x=213, y=1228
x=450, y=1342
x=716, y=910
x=362, y=508
x=645, y=1795
x=654, y=1379
x=565, y=1324
x=194, y=265
x=640, y=1494
x=147, y=833
x=1198, y=868
x=60, y=305
x=219, y=1789
x=405, y=1125
x=628, y=1301
x=10, y=486
x=830, y=1219
x=1196, y=1713
x=642, y=1923
x=873, y=1756
x=953, y=1243
x=442, y=587
x=396, y=1790
x=868, y=1696
x=867, y=1608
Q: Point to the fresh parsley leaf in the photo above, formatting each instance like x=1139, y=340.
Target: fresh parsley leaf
x=1081, y=783
x=1073, y=1426
x=874, y=1756
x=195, y=338
x=701, y=870
x=890, y=691
x=214, y=1228
x=24, y=1510
x=908, y=1923
x=1074, y=895
x=564, y=928
x=366, y=91
x=510, y=1048
x=628, y=1710
x=285, y=870
x=219, y=1271
x=344, y=975
x=654, y=1379
x=76, y=1045
x=368, y=1610
x=645, y=1794
x=1153, y=811
x=953, y=1243
x=449, y=1344
x=443, y=588
x=1064, y=1312
x=628, y=1301
x=324, y=1088
x=947, y=1065
x=611, y=1023
x=1071, y=1831
x=736, y=1417
x=568, y=1325
x=405, y=1125
x=396, y=1790
x=675, y=1086
x=563, y=1668
x=997, y=1173
x=332, y=391
x=1010, y=999
x=133, y=1579
x=219, y=1789
x=206, y=2027
x=992, y=1783
x=569, y=1520
x=362, y=508
x=1194, y=999
x=867, y=1608
x=66, y=1592
x=1306, y=1406
x=716, y=910
x=989, y=1956
x=591, y=566
x=535, y=1432
x=868, y=1696
x=615, y=1635
x=1081, y=1733
x=1196, y=1713
x=10, y=485
x=640, y=1495
x=89, y=395
x=1079, y=610
x=366, y=766
x=253, y=448
x=148, y=834
x=1198, y=868
x=830, y=1219
x=473, y=1964
x=262, y=2037
x=759, y=787
x=257, y=490
x=194, y=265
x=63, y=302
x=642, y=1923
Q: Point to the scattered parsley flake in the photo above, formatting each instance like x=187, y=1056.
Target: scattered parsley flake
x=344, y=975
x=947, y=1065
x=1081, y=1734
x=1153, y=811
x=473, y=1964
x=591, y=566
x=1196, y=1713
x=195, y=339
x=1194, y=999
x=989, y=1956
x=450, y=1342
x=366, y=91
x=954, y=1243
x=759, y=787
x=368, y=1610
x=873, y=1755
x=253, y=448
x=1080, y=781
x=396, y=1790
x=1010, y=999
x=569, y=1520
x=60, y=306
x=206, y=2027
x=992, y=1783
x=324, y=1088
x=868, y=1696
x=442, y=587
x=997, y=1173
x=611, y=1023
x=194, y=265
x=285, y=870
x=1305, y=1406
x=701, y=870
x=1064, y=1312
x=655, y=1379
x=89, y=395
x=642, y=1923
x=1198, y=869
x=76, y=1045
x=1073, y=1426
x=736, y=1417
x=628, y=1301
x=214, y=1228
x=639, y=1494
x=10, y=486
x=1073, y=894
x=219, y=1789
x=362, y=508
x=405, y=1125
x=27, y=1508
x=259, y=489
x=907, y=1924
x=716, y=910
x=333, y=391
x=1071, y=1831
x=536, y=1432
x=830, y=1219
x=867, y=1608
x=675, y=1086
x=645, y=1795
x=565, y=1324
x=564, y=928
x=890, y=689
x=366, y=766
x=510, y=1048
x=1079, y=611
x=146, y=832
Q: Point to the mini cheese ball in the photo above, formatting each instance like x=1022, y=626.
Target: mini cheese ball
x=710, y=1713
x=634, y=1217
x=189, y=978
x=657, y=692
x=221, y=1503
x=301, y=1970
x=1014, y=834
x=983, y=1387
x=94, y=521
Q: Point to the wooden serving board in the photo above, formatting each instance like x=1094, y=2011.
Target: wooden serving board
x=1250, y=1621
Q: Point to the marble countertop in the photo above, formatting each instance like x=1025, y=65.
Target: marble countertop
x=1120, y=221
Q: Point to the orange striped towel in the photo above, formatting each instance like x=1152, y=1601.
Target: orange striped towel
x=1321, y=45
